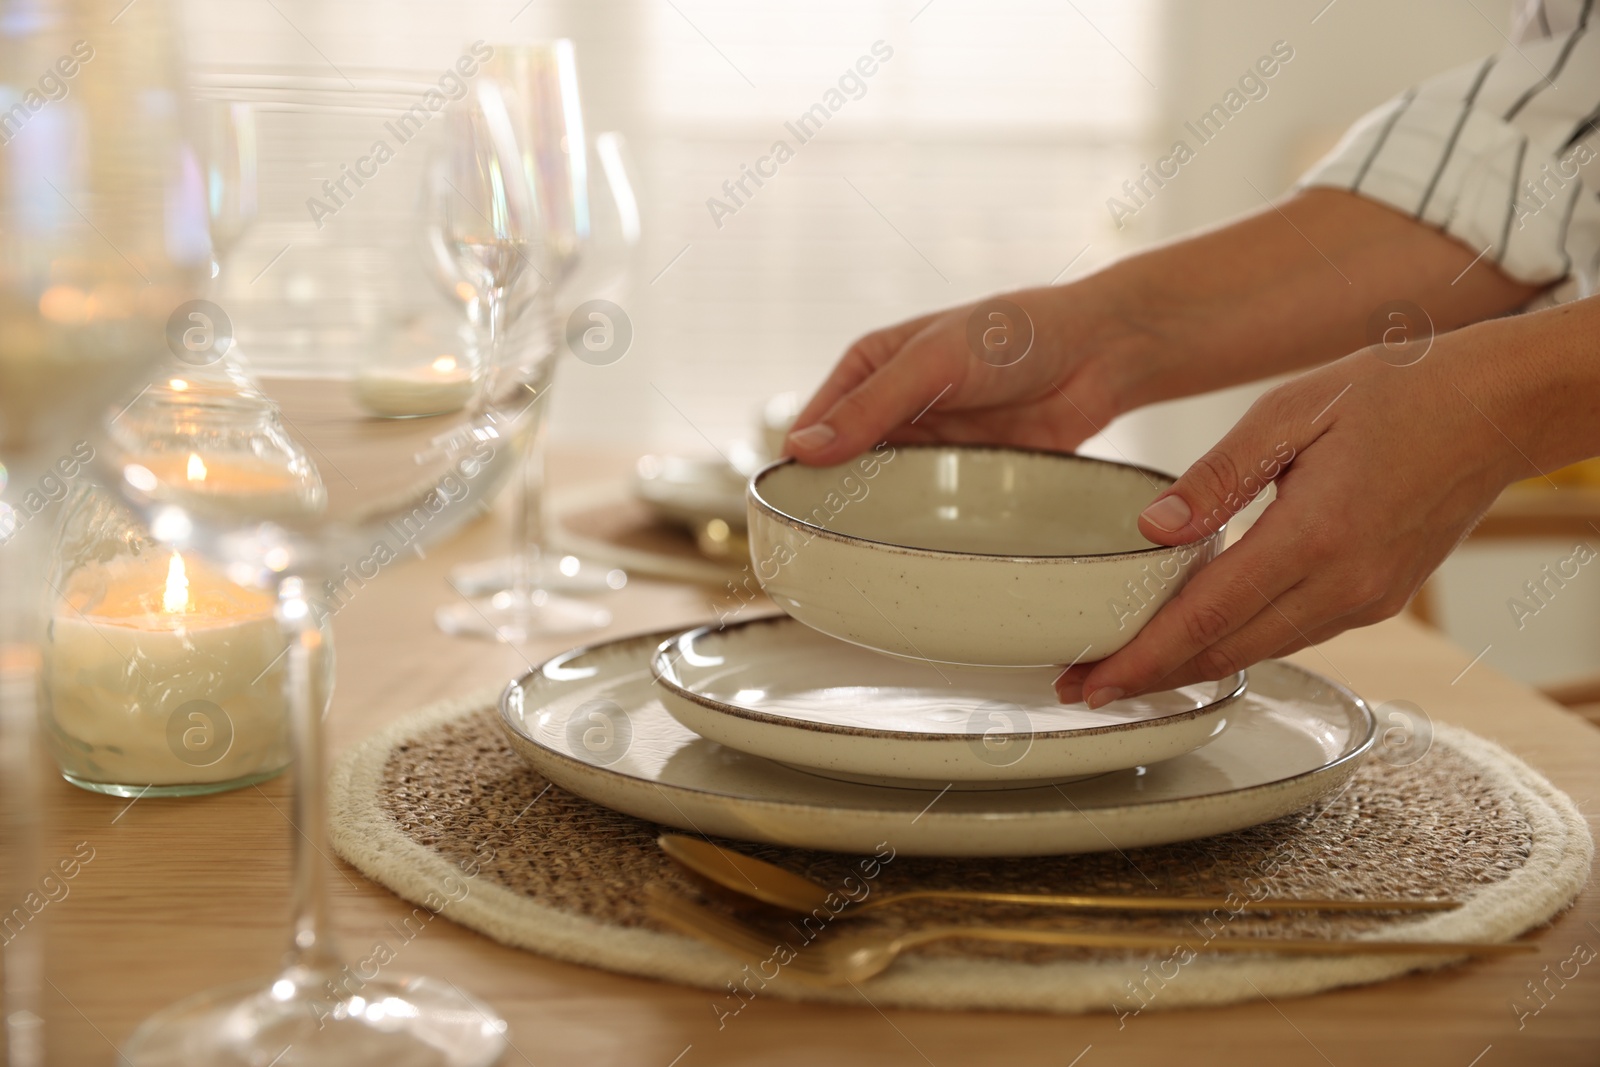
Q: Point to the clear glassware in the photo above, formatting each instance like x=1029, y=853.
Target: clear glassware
x=351, y=285
x=160, y=676
x=606, y=271
x=225, y=136
x=540, y=81
x=602, y=271
x=421, y=373
x=102, y=235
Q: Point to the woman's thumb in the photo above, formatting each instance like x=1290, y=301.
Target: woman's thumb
x=1217, y=486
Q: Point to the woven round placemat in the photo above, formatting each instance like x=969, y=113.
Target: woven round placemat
x=439, y=809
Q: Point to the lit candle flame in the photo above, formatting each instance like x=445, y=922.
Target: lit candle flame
x=175, y=599
x=197, y=468
x=445, y=364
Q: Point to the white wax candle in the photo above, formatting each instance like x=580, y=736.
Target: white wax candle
x=159, y=671
x=438, y=388
x=256, y=486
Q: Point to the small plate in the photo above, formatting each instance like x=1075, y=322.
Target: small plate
x=691, y=491
x=591, y=721
x=774, y=687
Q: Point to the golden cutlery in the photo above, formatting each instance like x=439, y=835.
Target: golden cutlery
x=773, y=885
x=846, y=958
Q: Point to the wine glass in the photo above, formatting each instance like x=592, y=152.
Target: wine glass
x=226, y=136
x=344, y=292
x=602, y=271
x=615, y=226
x=102, y=235
x=491, y=225
x=541, y=83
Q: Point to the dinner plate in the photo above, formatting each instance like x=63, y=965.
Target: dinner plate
x=592, y=722
x=775, y=687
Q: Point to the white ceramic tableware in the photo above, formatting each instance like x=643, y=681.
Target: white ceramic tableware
x=689, y=490
x=591, y=721
x=774, y=687
x=967, y=554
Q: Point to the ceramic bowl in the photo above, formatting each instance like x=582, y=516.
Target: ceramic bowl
x=965, y=554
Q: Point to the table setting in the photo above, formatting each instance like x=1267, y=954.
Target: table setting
x=669, y=737
x=803, y=774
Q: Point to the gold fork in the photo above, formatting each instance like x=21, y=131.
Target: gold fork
x=771, y=884
x=846, y=958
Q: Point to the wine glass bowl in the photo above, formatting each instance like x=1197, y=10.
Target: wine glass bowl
x=225, y=139
x=102, y=236
x=492, y=224
x=541, y=82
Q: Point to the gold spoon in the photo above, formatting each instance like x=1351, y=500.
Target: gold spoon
x=850, y=958
x=762, y=881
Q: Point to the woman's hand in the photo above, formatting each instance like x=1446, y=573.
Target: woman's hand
x=928, y=380
x=1380, y=469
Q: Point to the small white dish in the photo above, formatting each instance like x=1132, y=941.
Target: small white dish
x=591, y=721
x=774, y=687
x=688, y=490
x=967, y=554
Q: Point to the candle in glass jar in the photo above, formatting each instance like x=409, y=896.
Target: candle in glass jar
x=161, y=672
x=262, y=487
x=434, y=389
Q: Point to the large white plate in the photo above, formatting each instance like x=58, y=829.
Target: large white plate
x=774, y=687
x=591, y=721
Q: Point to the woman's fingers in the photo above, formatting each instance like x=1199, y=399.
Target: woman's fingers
x=817, y=436
x=1292, y=622
x=1221, y=483
x=1220, y=600
x=1232, y=590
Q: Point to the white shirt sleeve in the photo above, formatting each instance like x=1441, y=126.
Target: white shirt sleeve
x=1498, y=154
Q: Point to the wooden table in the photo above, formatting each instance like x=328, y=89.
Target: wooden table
x=184, y=894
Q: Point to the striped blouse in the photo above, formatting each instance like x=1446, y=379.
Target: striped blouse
x=1499, y=154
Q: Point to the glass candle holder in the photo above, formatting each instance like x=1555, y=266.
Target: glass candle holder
x=161, y=677
x=423, y=365
x=207, y=441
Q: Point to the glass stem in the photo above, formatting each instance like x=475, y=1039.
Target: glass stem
x=311, y=945
x=527, y=516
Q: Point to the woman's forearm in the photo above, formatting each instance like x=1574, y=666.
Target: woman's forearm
x=1291, y=286
x=1538, y=385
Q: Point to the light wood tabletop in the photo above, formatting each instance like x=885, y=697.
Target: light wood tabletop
x=182, y=895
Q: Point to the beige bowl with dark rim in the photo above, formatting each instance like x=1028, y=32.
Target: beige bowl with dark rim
x=967, y=554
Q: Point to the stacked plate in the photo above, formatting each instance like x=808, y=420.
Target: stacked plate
x=906, y=696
